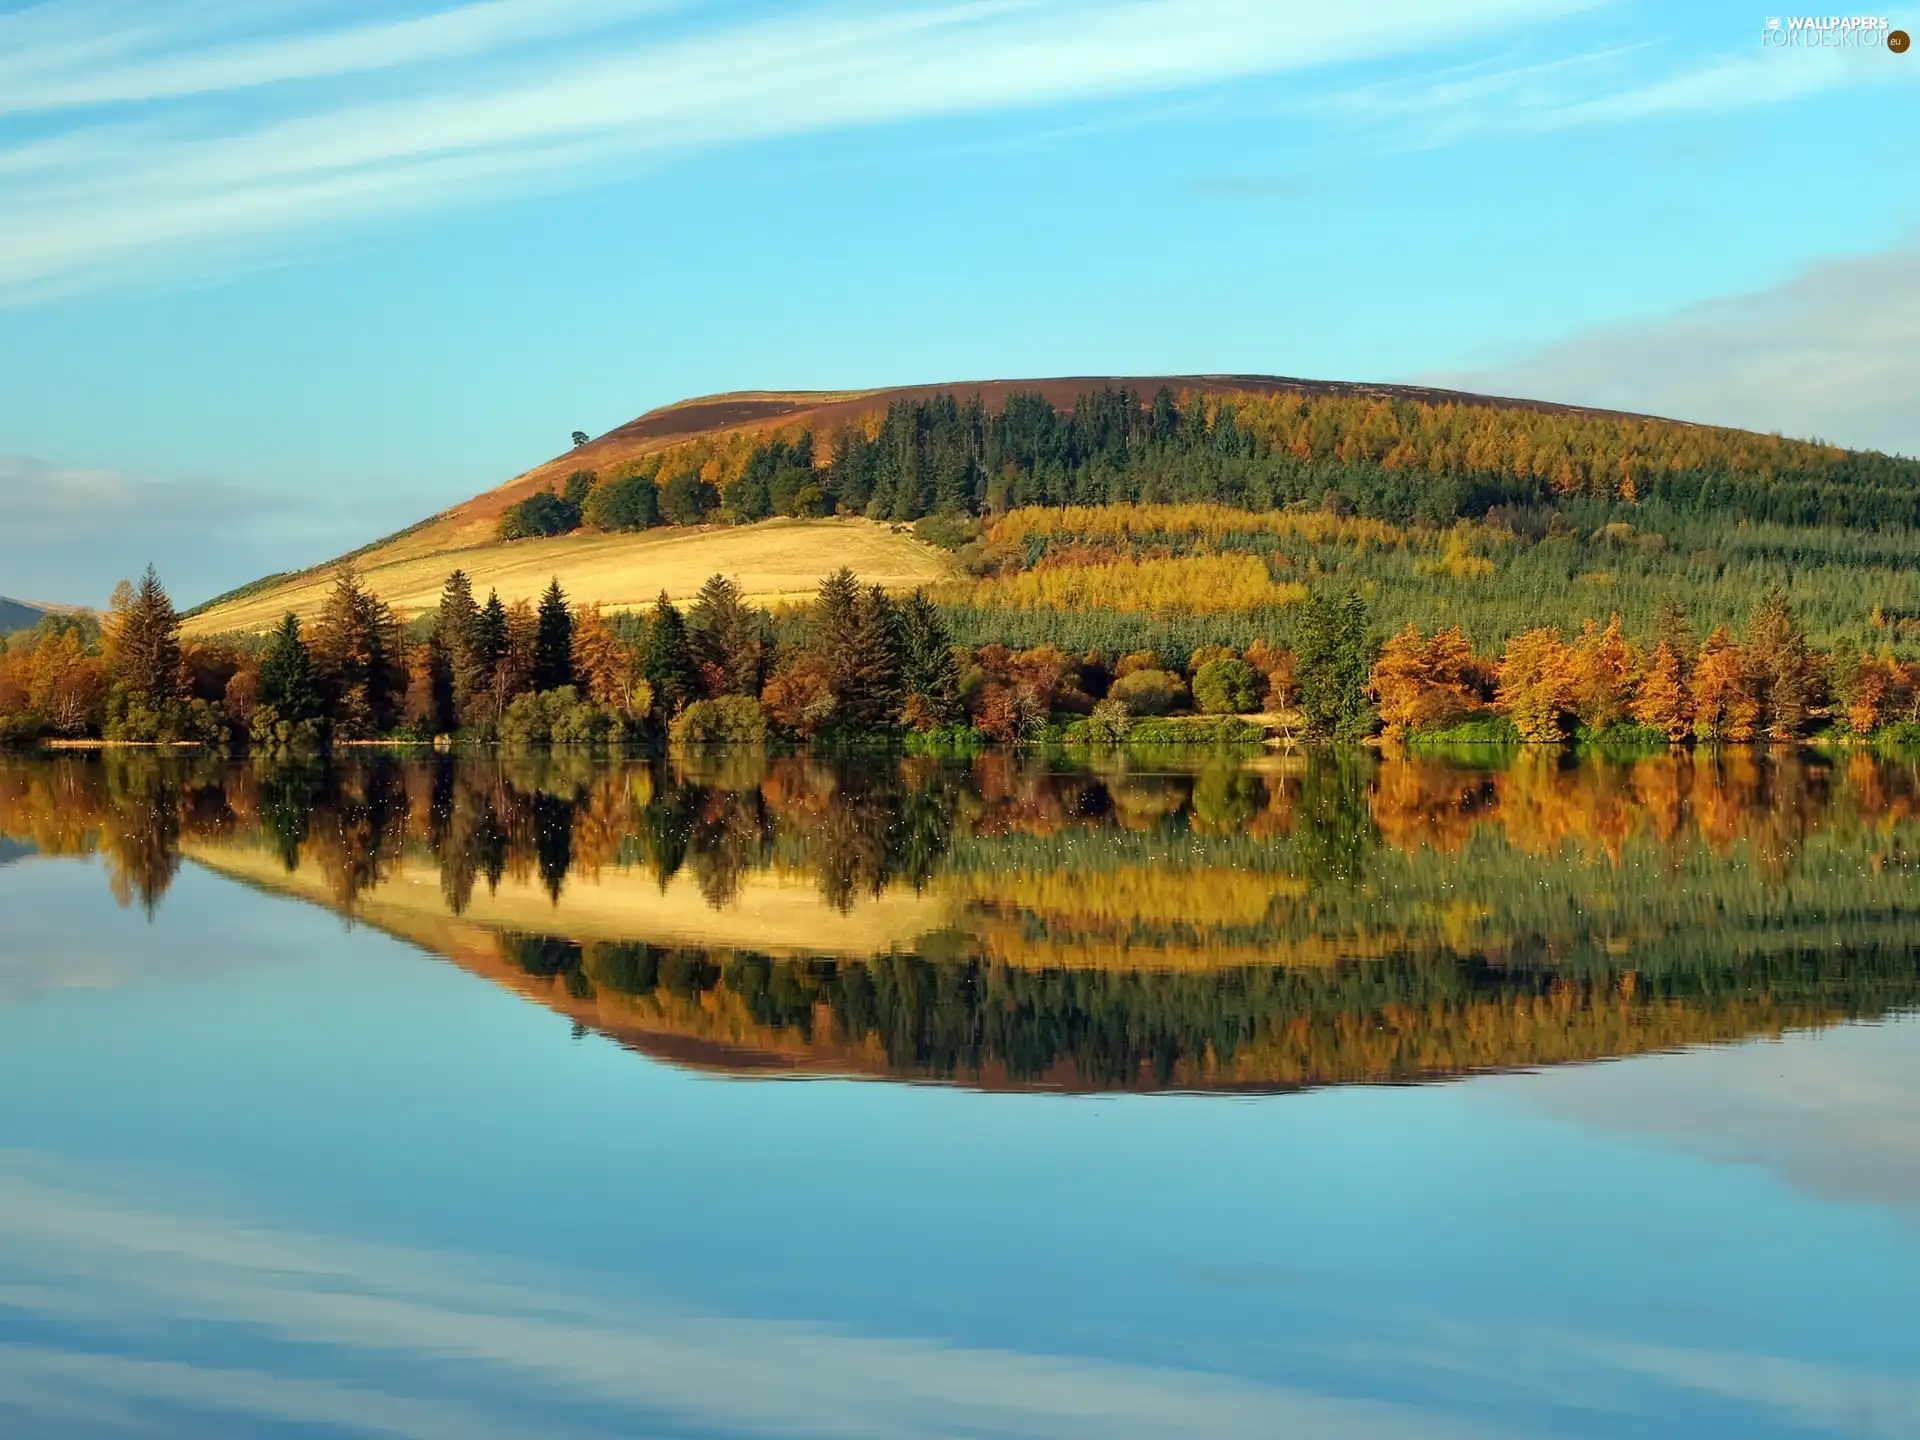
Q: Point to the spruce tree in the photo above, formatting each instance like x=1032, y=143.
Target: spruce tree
x=146, y=649
x=726, y=639
x=1334, y=655
x=872, y=684
x=288, y=683
x=929, y=678
x=456, y=634
x=490, y=631
x=553, y=640
x=665, y=658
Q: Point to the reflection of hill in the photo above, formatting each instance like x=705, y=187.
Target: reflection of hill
x=691, y=999
x=1011, y=921
x=769, y=910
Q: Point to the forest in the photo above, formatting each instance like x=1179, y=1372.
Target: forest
x=858, y=665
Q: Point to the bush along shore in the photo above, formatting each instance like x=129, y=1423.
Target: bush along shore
x=859, y=668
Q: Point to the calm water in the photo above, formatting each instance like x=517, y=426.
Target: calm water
x=445, y=1098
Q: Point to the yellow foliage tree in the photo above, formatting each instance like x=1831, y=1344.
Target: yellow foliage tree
x=1537, y=684
x=1661, y=702
x=1724, y=707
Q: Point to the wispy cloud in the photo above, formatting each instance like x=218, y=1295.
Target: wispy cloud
x=67, y=534
x=1619, y=84
x=137, y=142
x=1828, y=353
x=396, y=1334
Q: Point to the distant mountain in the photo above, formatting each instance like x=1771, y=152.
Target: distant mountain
x=20, y=615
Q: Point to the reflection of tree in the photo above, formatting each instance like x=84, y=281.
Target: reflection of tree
x=1333, y=829
x=141, y=836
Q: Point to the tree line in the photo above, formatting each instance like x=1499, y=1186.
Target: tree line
x=859, y=663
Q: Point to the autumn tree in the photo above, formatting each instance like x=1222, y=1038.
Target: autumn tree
x=1724, y=709
x=1605, y=671
x=1426, y=684
x=607, y=666
x=553, y=640
x=1661, y=702
x=1537, y=684
x=358, y=652
x=1780, y=668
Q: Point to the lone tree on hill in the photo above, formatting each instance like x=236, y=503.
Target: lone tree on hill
x=579, y=438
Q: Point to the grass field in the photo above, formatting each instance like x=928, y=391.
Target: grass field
x=773, y=561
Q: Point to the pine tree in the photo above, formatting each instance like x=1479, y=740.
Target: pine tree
x=358, y=651
x=665, y=659
x=490, y=632
x=1334, y=657
x=725, y=639
x=456, y=630
x=553, y=640
x=929, y=678
x=146, y=645
x=868, y=693
x=288, y=682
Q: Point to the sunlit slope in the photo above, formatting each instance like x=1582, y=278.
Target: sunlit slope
x=772, y=561
x=714, y=433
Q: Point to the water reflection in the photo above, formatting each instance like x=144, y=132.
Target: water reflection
x=1014, y=922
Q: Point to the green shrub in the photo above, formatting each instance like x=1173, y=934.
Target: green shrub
x=558, y=717
x=728, y=720
x=1226, y=687
x=1480, y=730
x=1149, y=692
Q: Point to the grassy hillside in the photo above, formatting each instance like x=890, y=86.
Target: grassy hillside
x=716, y=436
x=772, y=561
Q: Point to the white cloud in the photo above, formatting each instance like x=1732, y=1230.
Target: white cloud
x=1831, y=353
x=223, y=142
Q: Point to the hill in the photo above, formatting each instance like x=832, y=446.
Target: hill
x=717, y=435
x=16, y=615
x=1490, y=512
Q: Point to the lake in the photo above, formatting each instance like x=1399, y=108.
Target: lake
x=1319, y=1095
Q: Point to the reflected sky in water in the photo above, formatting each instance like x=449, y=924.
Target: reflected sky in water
x=263, y=1171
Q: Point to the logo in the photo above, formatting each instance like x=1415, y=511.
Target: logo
x=1897, y=41
x=1831, y=32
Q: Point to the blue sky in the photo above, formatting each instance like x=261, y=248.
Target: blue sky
x=279, y=276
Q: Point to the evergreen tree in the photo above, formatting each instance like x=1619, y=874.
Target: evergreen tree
x=856, y=648
x=358, y=651
x=929, y=678
x=288, y=681
x=553, y=640
x=490, y=631
x=1334, y=655
x=456, y=634
x=665, y=658
x=726, y=640
x=146, y=645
